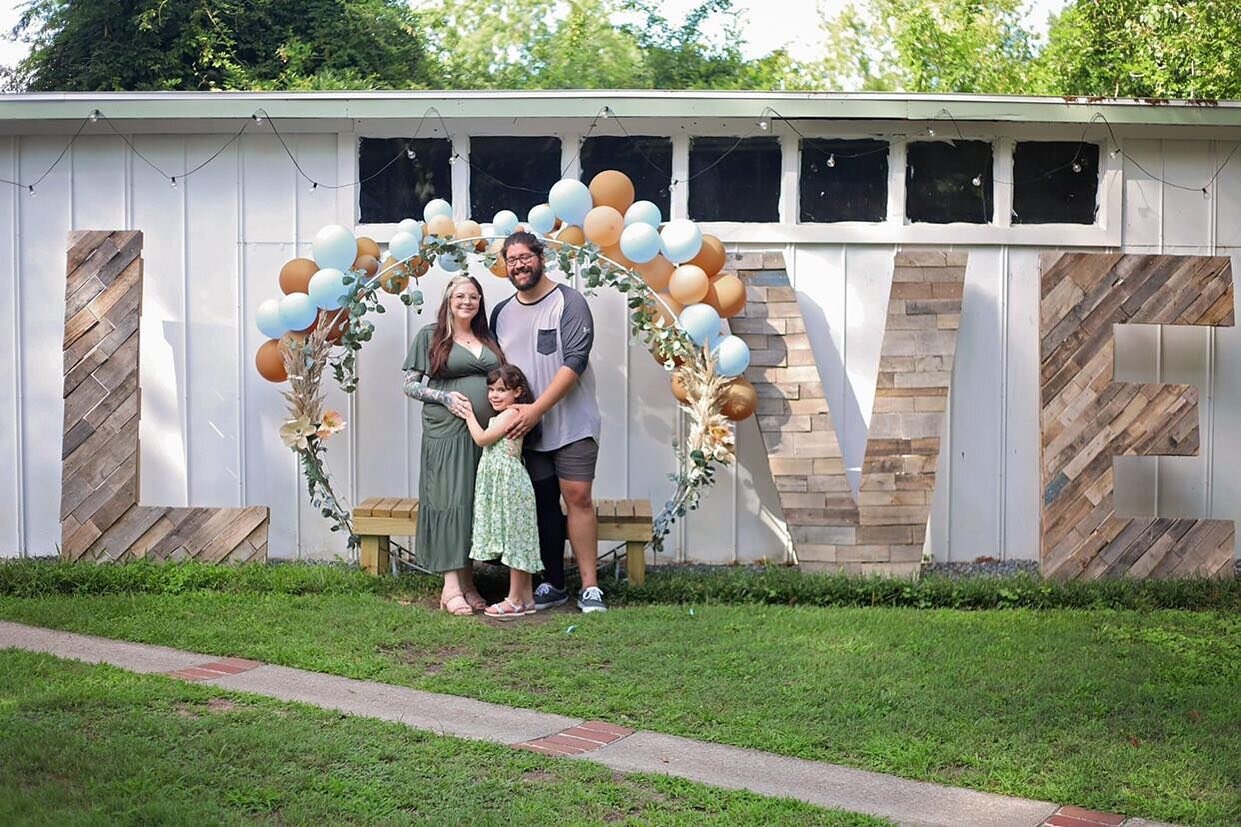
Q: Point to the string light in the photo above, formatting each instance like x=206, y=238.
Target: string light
x=930, y=131
x=831, y=160
x=314, y=185
x=606, y=113
x=1077, y=166
x=763, y=125
x=94, y=115
x=977, y=181
x=31, y=188
x=258, y=119
x=410, y=154
x=173, y=180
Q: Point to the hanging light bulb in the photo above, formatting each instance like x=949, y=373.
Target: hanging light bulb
x=1077, y=166
x=410, y=154
x=258, y=118
x=1114, y=152
x=977, y=181
x=314, y=185
x=31, y=188
x=930, y=130
x=173, y=180
x=831, y=160
x=453, y=158
x=606, y=113
x=94, y=116
x=763, y=124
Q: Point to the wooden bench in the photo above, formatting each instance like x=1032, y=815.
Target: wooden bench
x=378, y=518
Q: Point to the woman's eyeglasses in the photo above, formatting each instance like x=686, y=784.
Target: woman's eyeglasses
x=526, y=259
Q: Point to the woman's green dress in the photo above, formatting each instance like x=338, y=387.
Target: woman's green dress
x=449, y=456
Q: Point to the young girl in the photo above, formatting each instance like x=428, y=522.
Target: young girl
x=504, y=518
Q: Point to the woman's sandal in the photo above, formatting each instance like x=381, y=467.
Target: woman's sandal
x=476, y=601
x=508, y=610
x=456, y=605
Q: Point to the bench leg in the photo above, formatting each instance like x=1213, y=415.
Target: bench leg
x=374, y=555
x=635, y=561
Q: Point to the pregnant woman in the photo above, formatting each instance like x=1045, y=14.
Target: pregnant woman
x=446, y=366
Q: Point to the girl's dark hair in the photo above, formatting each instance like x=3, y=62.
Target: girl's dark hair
x=441, y=339
x=513, y=379
x=528, y=240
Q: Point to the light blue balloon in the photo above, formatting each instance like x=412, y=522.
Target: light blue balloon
x=702, y=323
x=450, y=262
x=404, y=246
x=681, y=240
x=435, y=207
x=297, y=311
x=541, y=218
x=334, y=246
x=571, y=200
x=268, y=319
x=732, y=356
x=505, y=222
x=409, y=225
x=643, y=212
x=327, y=287
x=640, y=243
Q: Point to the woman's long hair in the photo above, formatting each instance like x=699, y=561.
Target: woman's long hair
x=441, y=339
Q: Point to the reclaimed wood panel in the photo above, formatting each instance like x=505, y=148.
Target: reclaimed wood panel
x=101, y=519
x=1087, y=418
x=884, y=529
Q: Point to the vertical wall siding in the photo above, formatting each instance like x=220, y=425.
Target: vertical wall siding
x=214, y=246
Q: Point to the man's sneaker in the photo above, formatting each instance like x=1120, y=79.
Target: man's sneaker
x=547, y=596
x=592, y=600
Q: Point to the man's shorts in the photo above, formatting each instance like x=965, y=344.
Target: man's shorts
x=575, y=461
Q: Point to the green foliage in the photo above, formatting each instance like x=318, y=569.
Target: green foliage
x=114, y=45
x=1146, y=48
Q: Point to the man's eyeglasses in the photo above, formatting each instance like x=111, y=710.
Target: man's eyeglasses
x=526, y=259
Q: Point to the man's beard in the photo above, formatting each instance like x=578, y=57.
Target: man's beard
x=528, y=277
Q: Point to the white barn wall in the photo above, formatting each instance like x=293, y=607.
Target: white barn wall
x=214, y=245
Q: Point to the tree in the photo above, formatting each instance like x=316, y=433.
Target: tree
x=925, y=46
x=1146, y=48
x=105, y=45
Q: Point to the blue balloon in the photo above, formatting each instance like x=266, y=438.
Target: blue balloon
x=404, y=246
x=327, y=288
x=643, y=212
x=297, y=311
x=436, y=206
x=681, y=240
x=409, y=225
x=732, y=356
x=451, y=262
x=541, y=218
x=335, y=246
x=702, y=323
x=268, y=319
x=640, y=243
x=505, y=222
x=571, y=200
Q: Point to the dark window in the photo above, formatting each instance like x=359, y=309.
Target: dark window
x=734, y=180
x=1055, y=182
x=940, y=182
x=394, y=186
x=843, y=180
x=646, y=160
x=509, y=173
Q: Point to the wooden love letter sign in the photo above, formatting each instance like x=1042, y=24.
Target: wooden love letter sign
x=1087, y=418
x=99, y=511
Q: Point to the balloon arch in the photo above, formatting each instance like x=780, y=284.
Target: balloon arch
x=669, y=272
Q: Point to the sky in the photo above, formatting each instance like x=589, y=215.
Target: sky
x=796, y=24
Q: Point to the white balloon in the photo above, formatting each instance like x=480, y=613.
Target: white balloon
x=268, y=319
x=541, y=218
x=505, y=222
x=409, y=225
x=436, y=206
x=681, y=240
x=640, y=243
x=297, y=311
x=643, y=212
x=327, y=287
x=403, y=246
x=489, y=230
x=334, y=246
x=571, y=200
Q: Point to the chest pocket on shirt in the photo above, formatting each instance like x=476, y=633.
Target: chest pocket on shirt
x=546, y=343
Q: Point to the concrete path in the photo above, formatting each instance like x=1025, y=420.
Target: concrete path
x=827, y=785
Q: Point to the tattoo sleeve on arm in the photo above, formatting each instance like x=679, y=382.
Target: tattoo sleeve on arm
x=415, y=389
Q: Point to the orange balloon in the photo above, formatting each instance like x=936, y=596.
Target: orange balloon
x=616, y=255
x=726, y=293
x=571, y=235
x=391, y=267
x=603, y=226
x=678, y=388
x=688, y=284
x=656, y=272
x=500, y=268
x=669, y=310
x=441, y=226
x=394, y=282
x=738, y=399
x=418, y=266
x=367, y=263
x=270, y=362
x=612, y=189
x=295, y=276
x=367, y=247
x=471, y=229
x=711, y=257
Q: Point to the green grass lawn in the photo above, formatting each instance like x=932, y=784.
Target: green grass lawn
x=94, y=745
x=1124, y=711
